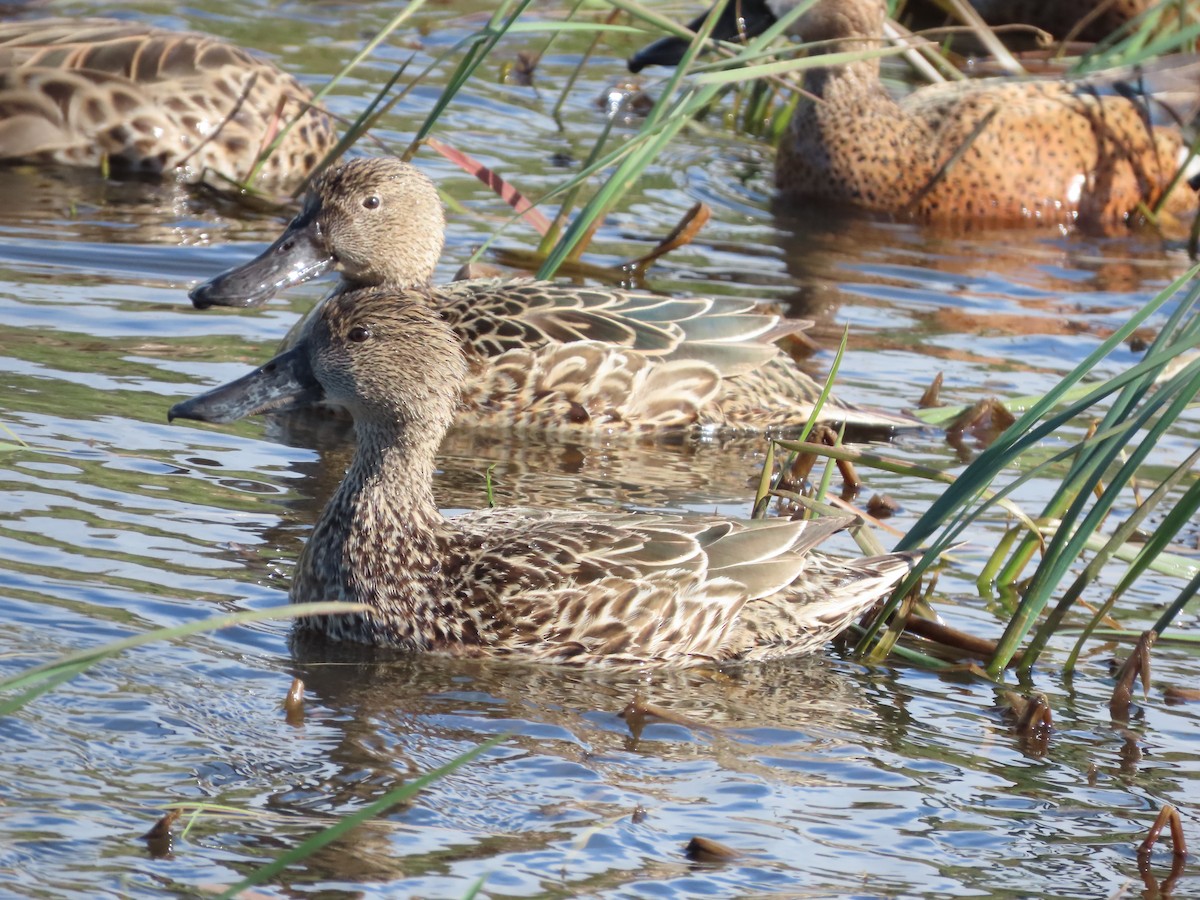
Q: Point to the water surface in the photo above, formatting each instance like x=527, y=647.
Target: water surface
x=829, y=778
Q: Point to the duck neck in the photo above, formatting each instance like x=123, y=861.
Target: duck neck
x=849, y=82
x=391, y=476
x=408, y=281
x=848, y=26
x=384, y=512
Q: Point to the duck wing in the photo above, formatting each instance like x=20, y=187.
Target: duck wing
x=492, y=316
x=587, y=384
x=150, y=100
x=586, y=587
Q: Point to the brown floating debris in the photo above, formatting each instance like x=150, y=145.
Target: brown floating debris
x=851, y=483
x=1031, y=714
x=626, y=99
x=968, y=644
x=932, y=395
x=1168, y=815
x=521, y=69
x=638, y=712
x=679, y=236
x=1177, y=695
x=881, y=506
x=1138, y=664
x=798, y=475
x=1033, y=720
x=1141, y=339
x=159, y=839
x=162, y=828
x=293, y=703
x=706, y=850
x=985, y=421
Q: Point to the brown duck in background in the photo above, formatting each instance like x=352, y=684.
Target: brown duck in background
x=544, y=355
x=83, y=92
x=571, y=586
x=1001, y=152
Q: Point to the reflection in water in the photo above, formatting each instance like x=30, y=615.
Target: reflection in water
x=394, y=717
x=616, y=472
x=1013, y=282
x=833, y=779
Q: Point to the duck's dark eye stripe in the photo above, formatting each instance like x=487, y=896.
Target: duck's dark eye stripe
x=359, y=333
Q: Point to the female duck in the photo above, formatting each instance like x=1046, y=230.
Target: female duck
x=84, y=92
x=556, y=586
x=542, y=355
x=1045, y=152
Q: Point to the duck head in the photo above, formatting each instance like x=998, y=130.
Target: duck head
x=381, y=353
x=377, y=221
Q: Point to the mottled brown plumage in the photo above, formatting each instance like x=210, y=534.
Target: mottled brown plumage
x=543, y=355
x=1040, y=151
x=558, y=586
x=147, y=100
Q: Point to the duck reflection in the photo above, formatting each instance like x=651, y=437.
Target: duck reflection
x=911, y=284
x=385, y=718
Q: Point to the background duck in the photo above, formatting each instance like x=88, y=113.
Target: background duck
x=146, y=100
x=544, y=355
x=575, y=587
x=1002, y=152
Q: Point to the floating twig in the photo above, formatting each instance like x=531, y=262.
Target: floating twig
x=706, y=850
x=1167, y=815
x=1137, y=664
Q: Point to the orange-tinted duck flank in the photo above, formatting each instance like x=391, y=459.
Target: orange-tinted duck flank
x=544, y=355
x=1039, y=151
x=147, y=100
x=564, y=586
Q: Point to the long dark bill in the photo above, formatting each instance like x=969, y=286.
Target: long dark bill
x=740, y=19
x=299, y=255
x=284, y=384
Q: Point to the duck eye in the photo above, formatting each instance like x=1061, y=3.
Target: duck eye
x=359, y=333
x=372, y=202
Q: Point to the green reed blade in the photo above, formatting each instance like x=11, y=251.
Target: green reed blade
x=762, y=495
x=1068, y=541
x=480, y=46
x=1185, y=597
x=1150, y=553
x=736, y=71
x=328, y=835
x=319, y=95
x=1025, y=432
x=74, y=663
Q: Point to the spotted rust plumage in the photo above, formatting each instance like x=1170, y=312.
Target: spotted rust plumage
x=544, y=355
x=562, y=586
x=147, y=100
x=1042, y=151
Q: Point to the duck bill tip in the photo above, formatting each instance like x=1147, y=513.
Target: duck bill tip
x=284, y=384
x=298, y=255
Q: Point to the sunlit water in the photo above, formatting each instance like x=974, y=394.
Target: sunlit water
x=829, y=778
